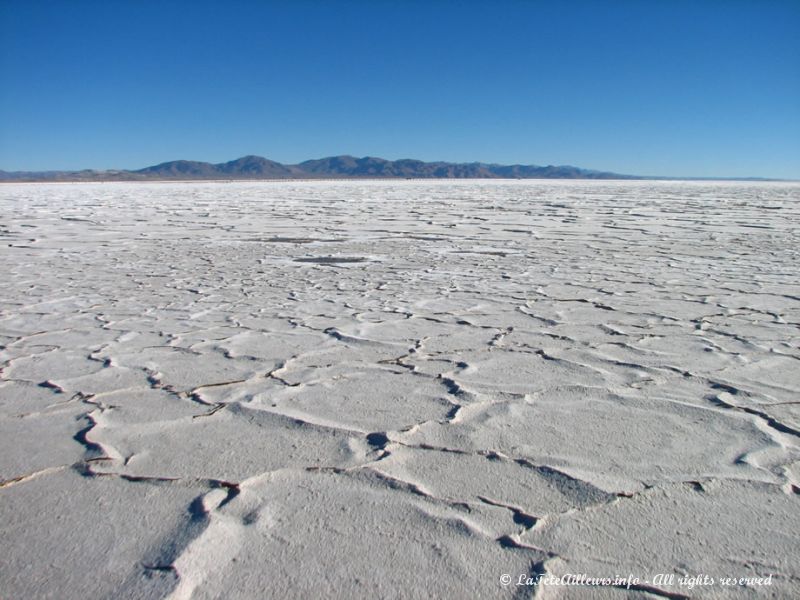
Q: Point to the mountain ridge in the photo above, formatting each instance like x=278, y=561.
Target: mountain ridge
x=343, y=166
x=252, y=167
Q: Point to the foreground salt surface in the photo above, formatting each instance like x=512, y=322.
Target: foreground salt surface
x=397, y=389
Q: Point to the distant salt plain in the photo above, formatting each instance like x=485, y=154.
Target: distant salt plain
x=398, y=389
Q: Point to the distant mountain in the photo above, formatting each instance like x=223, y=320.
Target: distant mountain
x=247, y=167
x=255, y=166
x=181, y=169
x=338, y=167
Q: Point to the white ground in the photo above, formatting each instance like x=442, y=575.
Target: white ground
x=398, y=389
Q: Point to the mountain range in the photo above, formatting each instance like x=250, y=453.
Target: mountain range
x=333, y=167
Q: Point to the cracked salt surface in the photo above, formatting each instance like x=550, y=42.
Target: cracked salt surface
x=398, y=389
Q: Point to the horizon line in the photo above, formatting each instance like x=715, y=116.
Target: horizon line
x=21, y=174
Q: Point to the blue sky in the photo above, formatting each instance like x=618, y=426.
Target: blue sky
x=661, y=87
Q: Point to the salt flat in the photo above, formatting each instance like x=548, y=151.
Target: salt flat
x=398, y=389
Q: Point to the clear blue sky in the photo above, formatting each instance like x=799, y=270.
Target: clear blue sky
x=661, y=87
